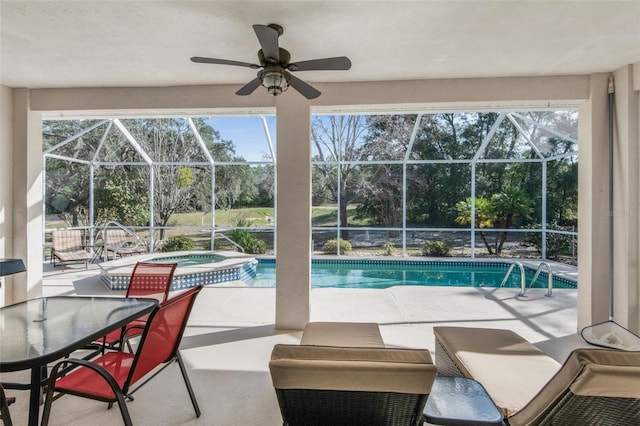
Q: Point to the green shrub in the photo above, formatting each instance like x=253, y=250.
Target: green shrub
x=557, y=244
x=248, y=242
x=178, y=243
x=331, y=246
x=256, y=246
x=435, y=248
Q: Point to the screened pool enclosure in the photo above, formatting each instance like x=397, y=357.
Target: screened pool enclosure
x=464, y=184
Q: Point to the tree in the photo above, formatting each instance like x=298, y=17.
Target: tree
x=169, y=143
x=502, y=211
x=67, y=181
x=380, y=195
x=510, y=205
x=121, y=199
x=338, y=139
x=484, y=216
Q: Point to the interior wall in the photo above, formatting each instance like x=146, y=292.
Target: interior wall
x=626, y=277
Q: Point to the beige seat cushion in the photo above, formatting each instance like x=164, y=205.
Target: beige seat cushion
x=352, y=369
x=511, y=369
x=586, y=372
x=347, y=334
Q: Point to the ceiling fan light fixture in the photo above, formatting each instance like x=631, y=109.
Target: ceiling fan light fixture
x=275, y=81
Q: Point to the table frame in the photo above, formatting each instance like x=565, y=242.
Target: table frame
x=37, y=364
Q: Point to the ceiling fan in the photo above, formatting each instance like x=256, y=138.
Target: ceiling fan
x=275, y=73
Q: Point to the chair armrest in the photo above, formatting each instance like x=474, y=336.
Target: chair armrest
x=81, y=363
x=125, y=335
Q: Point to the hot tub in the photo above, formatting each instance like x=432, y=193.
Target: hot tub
x=194, y=268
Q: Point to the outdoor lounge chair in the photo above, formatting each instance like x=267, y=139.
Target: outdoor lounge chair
x=115, y=241
x=112, y=376
x=327, y=385
x=594, y=387
x=67, y=246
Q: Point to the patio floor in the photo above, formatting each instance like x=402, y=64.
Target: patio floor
x=231, y=332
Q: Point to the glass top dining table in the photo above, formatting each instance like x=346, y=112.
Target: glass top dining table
x=39, y=331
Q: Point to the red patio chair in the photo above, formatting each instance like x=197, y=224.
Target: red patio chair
x=112, y=376
x=148, y=280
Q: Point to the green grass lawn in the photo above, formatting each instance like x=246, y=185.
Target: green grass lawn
x=260, y=216
x=255, y=216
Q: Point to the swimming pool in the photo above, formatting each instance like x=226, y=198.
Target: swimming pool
x=340, y=273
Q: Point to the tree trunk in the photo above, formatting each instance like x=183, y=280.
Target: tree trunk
x=503, y=236
x=344, y=220
x=74, y=217
x=486, y=243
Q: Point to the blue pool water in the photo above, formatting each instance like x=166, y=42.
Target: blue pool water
x=189, y=259
x=384, y=274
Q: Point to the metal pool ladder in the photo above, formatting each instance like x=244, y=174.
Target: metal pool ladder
x=549, y=279
x=522, y=277
x=523, y=286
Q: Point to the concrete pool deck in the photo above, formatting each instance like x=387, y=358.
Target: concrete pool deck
x=406, y=314
x=231, y=333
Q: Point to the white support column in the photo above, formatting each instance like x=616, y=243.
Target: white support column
x=626, y=200
x=593, y=205
x=27, y=196
x=293, y=218
x=6, y=189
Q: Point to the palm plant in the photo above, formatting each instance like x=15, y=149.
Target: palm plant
x=502, y=210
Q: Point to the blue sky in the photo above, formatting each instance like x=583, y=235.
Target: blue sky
x=246, y=133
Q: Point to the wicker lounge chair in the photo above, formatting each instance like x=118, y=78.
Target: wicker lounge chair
x=326, y=385
x=67, y=246
x=593, y=386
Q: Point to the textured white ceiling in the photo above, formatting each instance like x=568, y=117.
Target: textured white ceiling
x=111, y=43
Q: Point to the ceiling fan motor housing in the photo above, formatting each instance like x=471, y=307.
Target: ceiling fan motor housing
x=283, y=61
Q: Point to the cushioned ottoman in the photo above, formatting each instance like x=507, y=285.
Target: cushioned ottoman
x=344, y=334
x=511, y=369
x=325, y=385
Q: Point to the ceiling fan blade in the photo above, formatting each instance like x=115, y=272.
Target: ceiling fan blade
x=268, y=38
x=338, y=63
x=250, y=87
x=201, y=60
x=305, y=89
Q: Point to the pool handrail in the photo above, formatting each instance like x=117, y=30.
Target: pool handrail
x=224, y=237
x=118, y=225
x=549, y=279
x=523, y=281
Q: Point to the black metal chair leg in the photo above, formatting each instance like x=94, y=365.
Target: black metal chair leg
x=4, y=408
x=192, y=395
